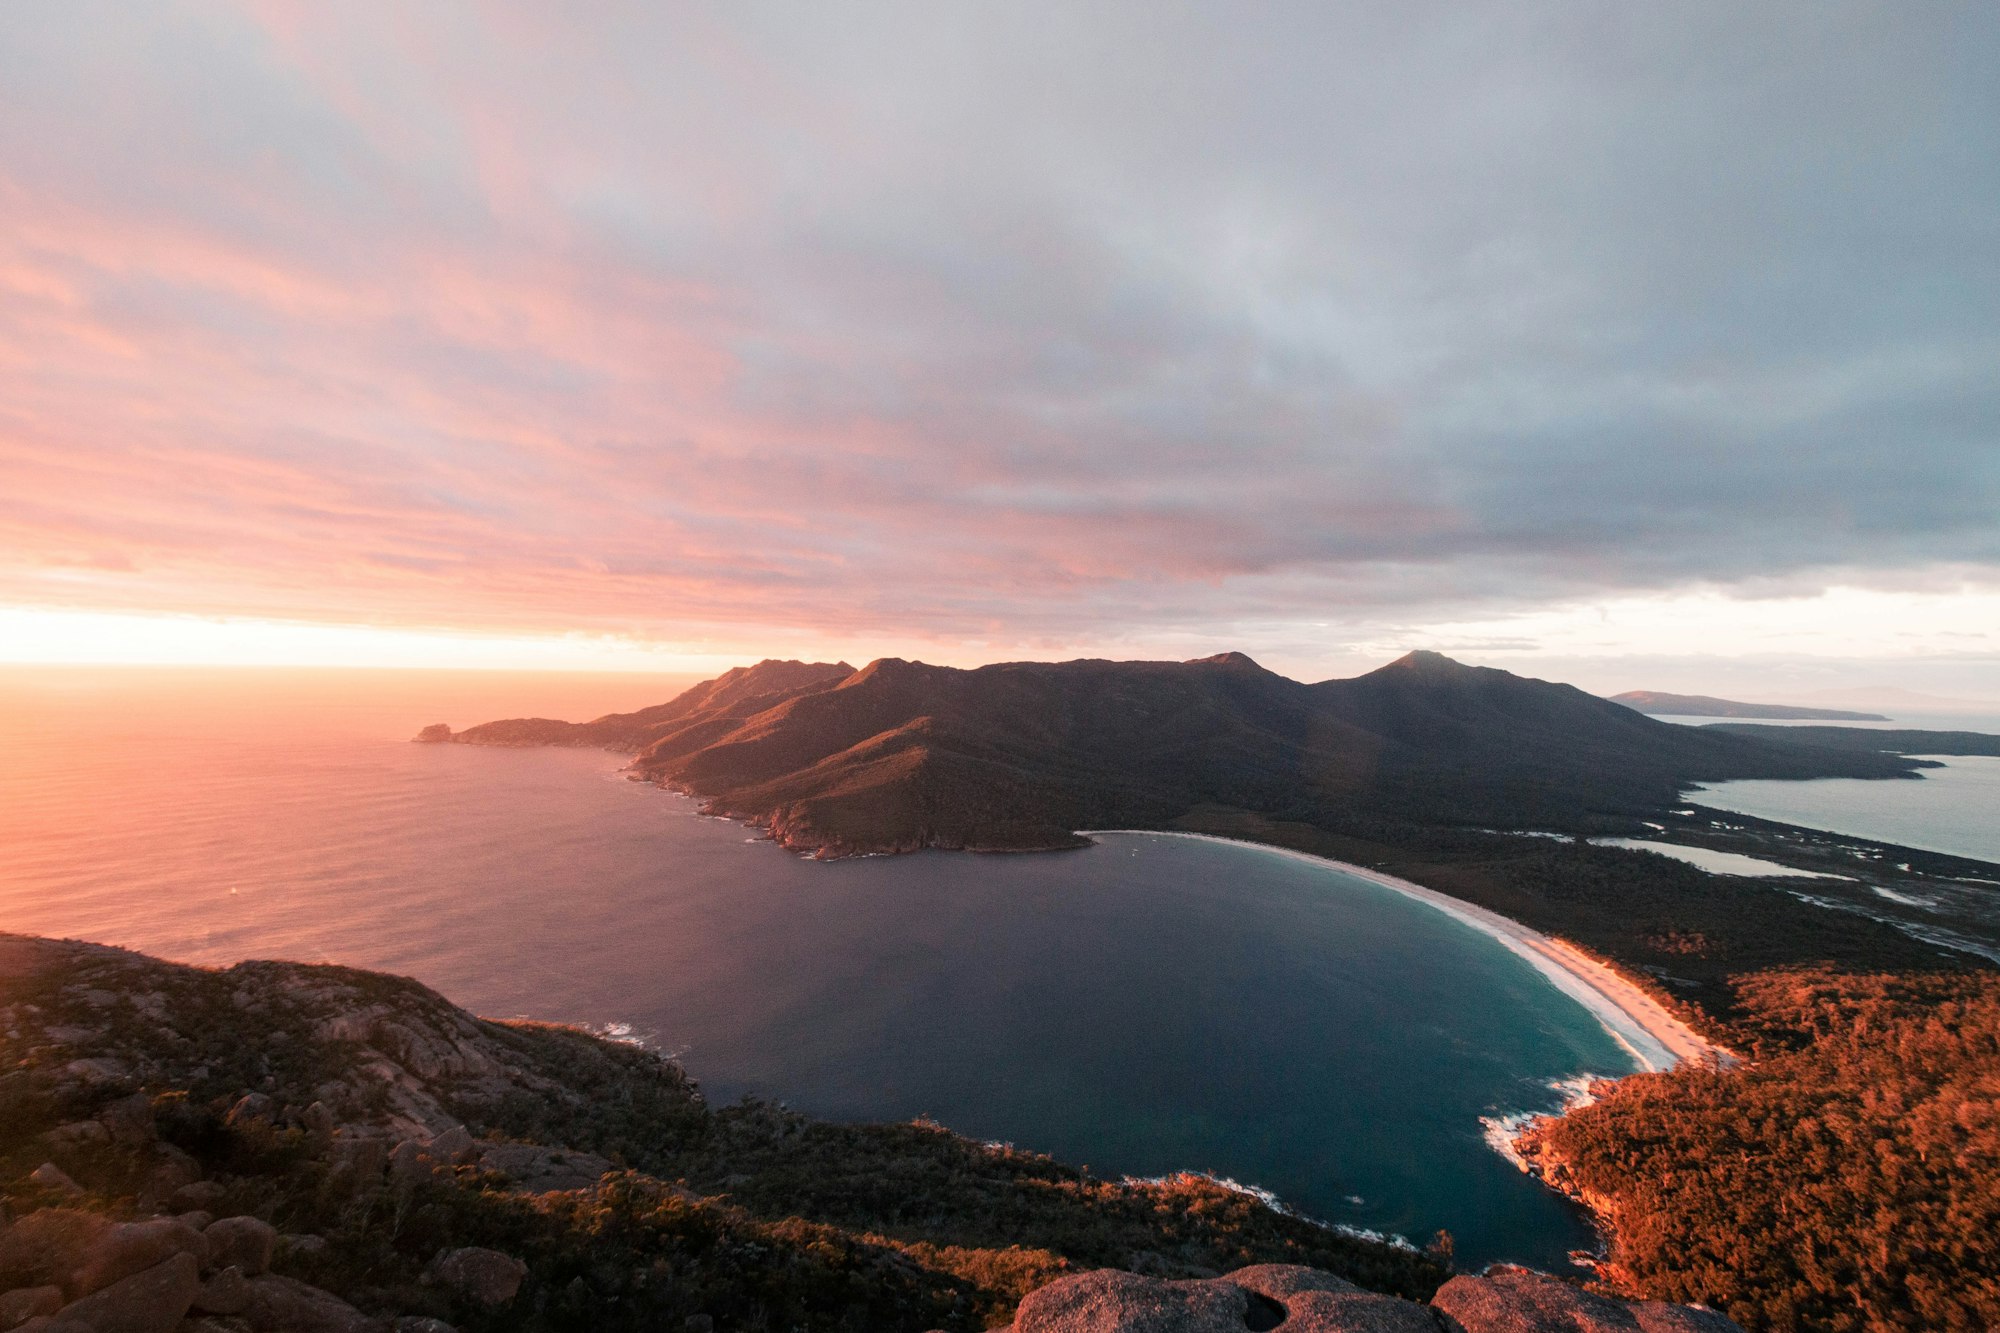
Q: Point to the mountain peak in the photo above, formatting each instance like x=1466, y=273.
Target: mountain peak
x=1229, y=659
x=1424, y=660
x=791, y=663
x=893, y=668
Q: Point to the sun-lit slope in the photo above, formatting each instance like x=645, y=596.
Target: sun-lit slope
x=904, y=754
x=738, y=692
x=900, y=754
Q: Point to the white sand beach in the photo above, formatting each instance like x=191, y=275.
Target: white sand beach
x=1656, y=1039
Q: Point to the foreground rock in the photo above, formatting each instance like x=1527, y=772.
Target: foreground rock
x=244, y=1243
x=152, y=1301
x=1519, y=1301
x=1291, y=1299
x=485, y=1277
x=284, y=1303
x=83, y=1272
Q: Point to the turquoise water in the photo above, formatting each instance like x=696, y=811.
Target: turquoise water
x=1143, y=1006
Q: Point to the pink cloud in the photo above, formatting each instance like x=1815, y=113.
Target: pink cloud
x=491, y=319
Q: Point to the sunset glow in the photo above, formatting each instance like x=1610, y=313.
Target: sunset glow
x=1813, y=640
x=358, y=333
x=141, y=640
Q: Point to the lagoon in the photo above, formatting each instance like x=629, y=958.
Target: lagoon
x=1714, y=862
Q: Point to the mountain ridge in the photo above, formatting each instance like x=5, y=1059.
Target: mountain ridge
x=901, y=755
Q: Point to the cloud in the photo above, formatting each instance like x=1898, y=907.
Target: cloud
x=962, y=322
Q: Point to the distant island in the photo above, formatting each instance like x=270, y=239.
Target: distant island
x=1660, y=704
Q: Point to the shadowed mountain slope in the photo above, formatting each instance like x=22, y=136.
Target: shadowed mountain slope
x=901, y=755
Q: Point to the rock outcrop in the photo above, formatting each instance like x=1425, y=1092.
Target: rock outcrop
x=485, y=1277
x=246, y=1244
x=80, y=1271
x=1290, y=1299
x=153, y=1300
x=1516, y=1300
x=282, y=1303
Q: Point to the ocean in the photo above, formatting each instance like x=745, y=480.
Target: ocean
x=1144, y=1006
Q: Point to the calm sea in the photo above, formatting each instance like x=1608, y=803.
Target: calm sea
x=1143, y=1006
x=1954, y=809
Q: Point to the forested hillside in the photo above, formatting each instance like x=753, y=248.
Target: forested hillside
x=1847, y=1180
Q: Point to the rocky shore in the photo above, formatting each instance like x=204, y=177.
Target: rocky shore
x=281, y=1148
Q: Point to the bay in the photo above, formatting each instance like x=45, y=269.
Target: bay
x=1143, y=1006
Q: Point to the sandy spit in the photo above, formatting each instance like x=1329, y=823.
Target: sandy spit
x=1640, y=1023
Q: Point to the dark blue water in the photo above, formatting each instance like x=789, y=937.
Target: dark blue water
x=1144, y=1006
x=1154, y=1004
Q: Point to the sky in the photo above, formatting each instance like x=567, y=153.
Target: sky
x=1645, y=346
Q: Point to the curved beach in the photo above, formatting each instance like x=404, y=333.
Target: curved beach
x=1656, y=1039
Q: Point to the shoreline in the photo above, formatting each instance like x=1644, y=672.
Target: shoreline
x=1653, y=1036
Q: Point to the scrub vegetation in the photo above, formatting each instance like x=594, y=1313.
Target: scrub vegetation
x=1847, y=1179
